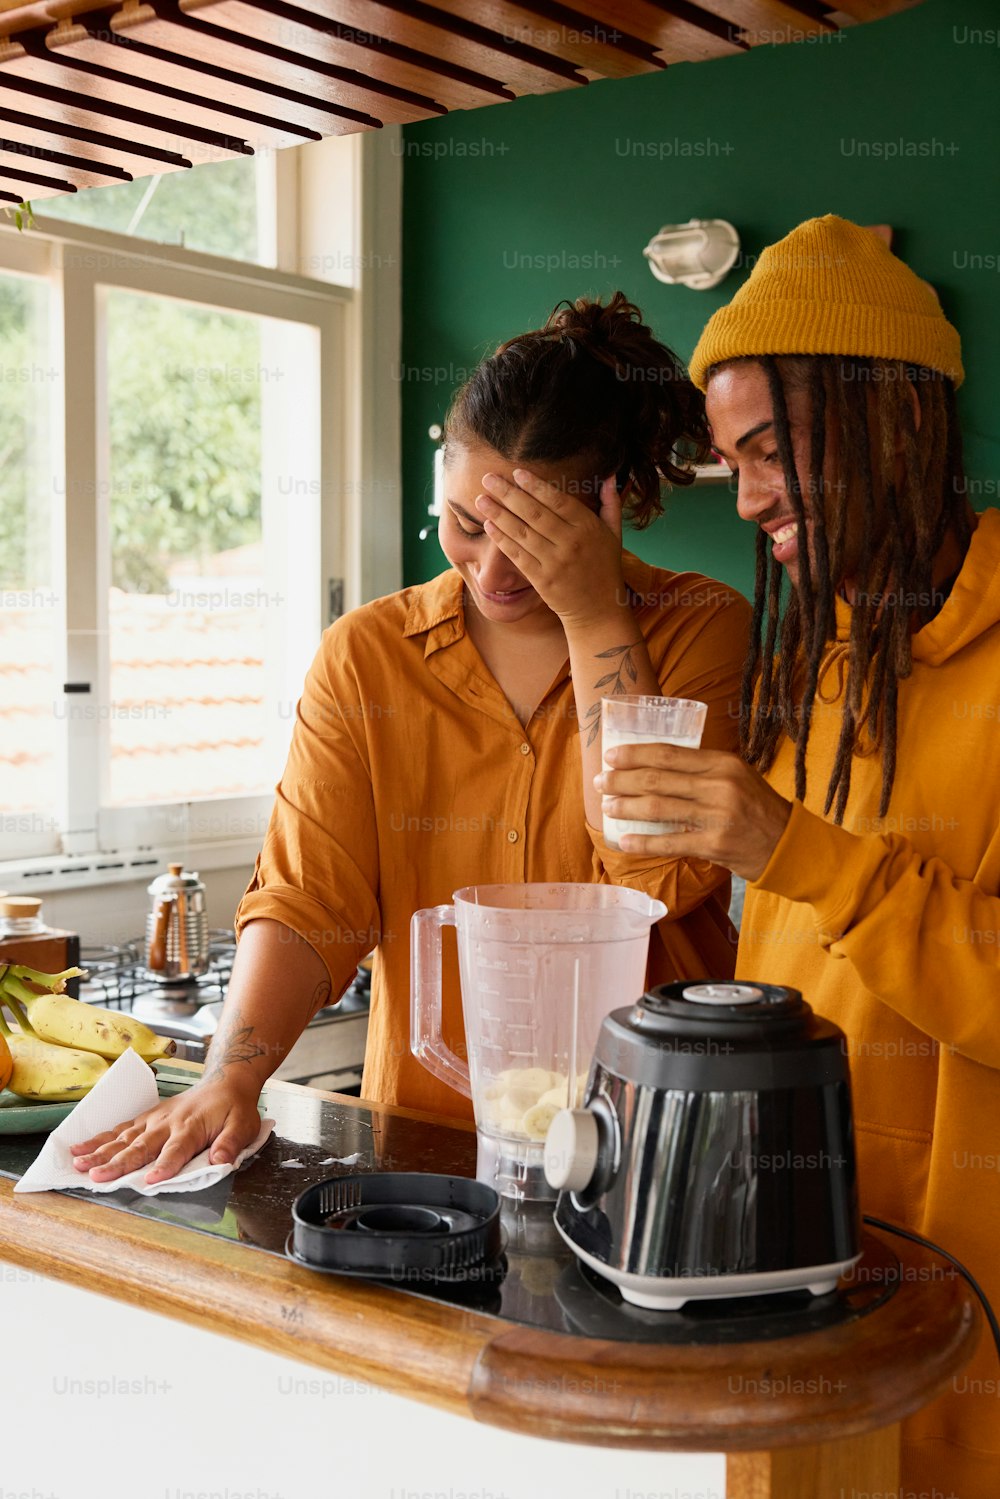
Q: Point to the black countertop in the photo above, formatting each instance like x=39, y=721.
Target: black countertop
x=317, y=1137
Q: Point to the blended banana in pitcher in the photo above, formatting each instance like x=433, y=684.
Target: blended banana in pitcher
x=525, y=1100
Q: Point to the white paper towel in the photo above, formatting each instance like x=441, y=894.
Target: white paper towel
x=127, y=1088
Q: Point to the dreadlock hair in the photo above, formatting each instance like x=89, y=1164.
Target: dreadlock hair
x=595, y=387
x=900, y=524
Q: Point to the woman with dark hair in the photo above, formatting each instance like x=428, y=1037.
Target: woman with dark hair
x=864, y=812
x=448, y=735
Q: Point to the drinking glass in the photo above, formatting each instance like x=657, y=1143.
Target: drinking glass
x=647, y=720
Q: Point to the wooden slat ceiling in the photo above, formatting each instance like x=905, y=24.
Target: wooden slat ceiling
x=93, y=94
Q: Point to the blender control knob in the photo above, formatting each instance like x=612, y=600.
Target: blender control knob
x=571, y=1150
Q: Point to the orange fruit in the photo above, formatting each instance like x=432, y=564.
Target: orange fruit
x=6, y=1062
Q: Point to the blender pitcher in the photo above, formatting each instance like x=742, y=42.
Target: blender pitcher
x=540, y=967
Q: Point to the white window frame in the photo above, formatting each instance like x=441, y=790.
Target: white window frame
x=360, y=511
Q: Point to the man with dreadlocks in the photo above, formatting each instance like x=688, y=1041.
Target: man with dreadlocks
x=864, y=810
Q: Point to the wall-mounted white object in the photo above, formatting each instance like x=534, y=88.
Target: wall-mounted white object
x=697, y=254
x=435, y=433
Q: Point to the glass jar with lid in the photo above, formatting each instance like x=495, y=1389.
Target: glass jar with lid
x=20, y=916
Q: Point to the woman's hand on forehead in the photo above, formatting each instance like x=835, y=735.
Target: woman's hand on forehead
x=569, y=553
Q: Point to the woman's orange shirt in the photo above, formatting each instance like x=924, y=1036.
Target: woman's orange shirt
x=409, y=776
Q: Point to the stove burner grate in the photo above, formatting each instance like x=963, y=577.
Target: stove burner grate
x=118, y=976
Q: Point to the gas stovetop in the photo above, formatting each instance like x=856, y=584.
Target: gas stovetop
x=186, y=1011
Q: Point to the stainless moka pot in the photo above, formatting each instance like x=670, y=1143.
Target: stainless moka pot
x=176, y=927
x=713, y=1155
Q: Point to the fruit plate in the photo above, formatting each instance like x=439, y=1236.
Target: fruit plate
x=20, y=1118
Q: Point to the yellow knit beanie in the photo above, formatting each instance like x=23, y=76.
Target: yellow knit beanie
x=831, y=287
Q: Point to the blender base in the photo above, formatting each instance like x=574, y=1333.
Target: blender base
x=514, y=1168
x=660, y=1293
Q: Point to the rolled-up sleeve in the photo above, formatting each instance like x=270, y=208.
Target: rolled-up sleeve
x=317, y=872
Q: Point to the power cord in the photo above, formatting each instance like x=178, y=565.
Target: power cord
x=905, y=1233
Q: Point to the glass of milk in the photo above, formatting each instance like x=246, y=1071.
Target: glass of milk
x=647, y=720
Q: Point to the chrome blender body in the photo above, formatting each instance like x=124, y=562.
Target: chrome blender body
x=714, y=1155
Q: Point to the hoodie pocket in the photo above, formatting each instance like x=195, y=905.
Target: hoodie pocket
x=893, y=1168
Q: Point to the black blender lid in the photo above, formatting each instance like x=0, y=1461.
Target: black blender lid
x=725, y=1000
x=408, y=1227
x=709, y=1035
x=739, y=1010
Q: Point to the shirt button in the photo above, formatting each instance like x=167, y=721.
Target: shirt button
x=512, y=836
x=525, y=749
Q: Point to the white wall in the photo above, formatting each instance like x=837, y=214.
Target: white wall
x=106, y=1401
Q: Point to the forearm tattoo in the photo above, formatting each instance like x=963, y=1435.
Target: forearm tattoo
x=619, y=680
x=318, y=999
x=235, y=1044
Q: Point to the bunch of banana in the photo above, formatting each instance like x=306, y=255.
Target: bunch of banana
x=6, y=1060
x=62, y=1046
x=45, y=1073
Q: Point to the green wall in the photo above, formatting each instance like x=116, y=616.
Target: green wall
x=509, y=209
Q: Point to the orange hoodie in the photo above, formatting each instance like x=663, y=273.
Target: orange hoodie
x=891, y=928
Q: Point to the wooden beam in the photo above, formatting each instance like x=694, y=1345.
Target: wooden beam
x=141, y=115
x=769, y=22
x=17, y=155
x=92, y=50
x=189, y=41
x=28, y=58
x=18, y=17
x=279, y=24
x=676, y=38
x=411, y=23
x=29, y=184
x=875, y=10
x=42, y=129
x=579, y=38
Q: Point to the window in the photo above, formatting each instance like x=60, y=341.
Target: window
x=31, y=614
x=164, y=587
x=194, y=446
x=198, y=599
x=217, y=208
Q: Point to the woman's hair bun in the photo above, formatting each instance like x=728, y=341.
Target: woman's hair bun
x=593, y=386
x=597, y=327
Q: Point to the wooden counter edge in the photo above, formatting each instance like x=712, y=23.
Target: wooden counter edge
x=545, y=1383
x=820, y=1387
x=405, y=1344
x=408, y=1345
